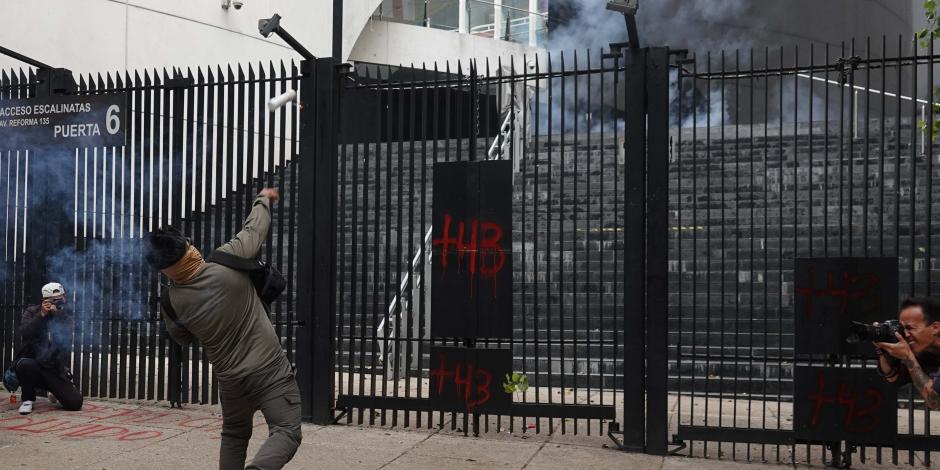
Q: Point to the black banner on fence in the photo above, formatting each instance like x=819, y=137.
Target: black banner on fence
x=831, y=293
x=471, y=288
x=833, y=404
x=63, y=122
x=470, y=380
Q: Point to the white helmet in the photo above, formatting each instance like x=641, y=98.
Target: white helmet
x=52, y=289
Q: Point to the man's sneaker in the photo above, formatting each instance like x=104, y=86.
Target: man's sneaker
x=52, y=399
x=26, y=408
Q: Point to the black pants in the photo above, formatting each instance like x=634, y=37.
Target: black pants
x=32, y=376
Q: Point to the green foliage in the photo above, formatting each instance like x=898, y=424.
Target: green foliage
x=933, y=28
x=515, y=382
x=935, y=126
x=925, y=37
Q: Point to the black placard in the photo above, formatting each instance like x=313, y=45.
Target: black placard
x=470, y=380
x=63, y=122
x=838, y=403
x=471, y=268
x=830, y=293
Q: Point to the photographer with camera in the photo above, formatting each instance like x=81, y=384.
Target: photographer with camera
x=43, y=357
x=915, y=356
x=218, y=305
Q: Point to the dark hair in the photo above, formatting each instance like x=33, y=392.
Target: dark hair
x=167, y=246
x=929, y=305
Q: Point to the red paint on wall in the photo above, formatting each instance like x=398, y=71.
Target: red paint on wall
x=859, y=406
x=479, y=250
x=471, y=382
x=844, y=286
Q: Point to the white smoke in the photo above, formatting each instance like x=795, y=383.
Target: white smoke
x=697, y=25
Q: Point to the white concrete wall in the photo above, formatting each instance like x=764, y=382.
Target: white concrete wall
x=401, y=44
x=100, y=35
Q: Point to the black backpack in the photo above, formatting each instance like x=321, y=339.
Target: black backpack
x=268, y=281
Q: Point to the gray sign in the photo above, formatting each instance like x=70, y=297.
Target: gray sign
x=63, y=122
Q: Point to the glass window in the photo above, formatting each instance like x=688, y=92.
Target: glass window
x=482, y=16
x=402, y=11
x=515, y=22
x=444, y=14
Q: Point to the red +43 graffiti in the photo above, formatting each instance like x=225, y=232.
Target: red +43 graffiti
x=859, y=406
x=472, y=383
x=844, y=286
x=478, y=244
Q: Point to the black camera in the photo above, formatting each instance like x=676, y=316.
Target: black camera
x=59, y=303
x=883, y=333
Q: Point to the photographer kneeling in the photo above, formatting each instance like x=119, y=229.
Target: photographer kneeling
x=43, y=357
x=915, y=358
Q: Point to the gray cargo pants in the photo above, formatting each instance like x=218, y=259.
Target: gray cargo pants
x=274, y=391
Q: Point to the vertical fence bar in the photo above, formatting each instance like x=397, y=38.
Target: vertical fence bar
x=929, y=196
x=634, y=285
x=694, y=298
x=536, y=300
x=721, y=162
x=656, y=266
x=306, y=253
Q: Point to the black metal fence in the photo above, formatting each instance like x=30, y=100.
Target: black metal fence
x=560, y=120
x=199, y=146
x=777, y=154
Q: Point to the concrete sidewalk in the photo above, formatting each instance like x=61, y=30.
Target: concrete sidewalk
x=131, y=435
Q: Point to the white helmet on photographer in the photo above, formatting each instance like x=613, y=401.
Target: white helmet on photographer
x=52, y=289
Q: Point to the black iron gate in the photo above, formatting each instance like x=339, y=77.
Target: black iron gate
x=776, y=154
x=586, y=152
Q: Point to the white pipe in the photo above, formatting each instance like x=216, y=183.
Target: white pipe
x=855, y=116
x=861, y=88
x=923, y=132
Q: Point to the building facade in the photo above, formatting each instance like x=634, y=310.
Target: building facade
x=93, y=36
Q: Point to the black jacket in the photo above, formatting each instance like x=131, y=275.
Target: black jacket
x=47, y=339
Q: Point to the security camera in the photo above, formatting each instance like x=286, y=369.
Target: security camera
x=279, y=101
x=238, y=4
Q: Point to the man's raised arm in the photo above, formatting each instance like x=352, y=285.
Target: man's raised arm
x=248, y=241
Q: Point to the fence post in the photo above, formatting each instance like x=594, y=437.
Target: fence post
x=646, y=147
x=316, y=269
x=657, y=249
x=634, y=286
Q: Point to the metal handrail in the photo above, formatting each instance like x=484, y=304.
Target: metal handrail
x=387, y=331
x=505, y=133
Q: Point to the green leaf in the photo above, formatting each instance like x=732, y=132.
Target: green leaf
x=509, y=388
x=523, y=386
